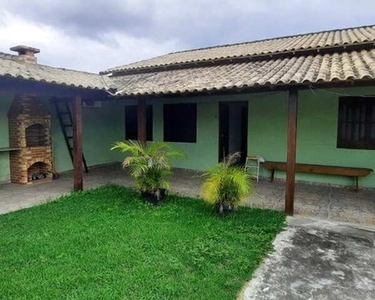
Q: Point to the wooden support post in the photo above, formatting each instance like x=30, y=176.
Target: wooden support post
x=141, y=111
x=291, y=151
x=77, y=143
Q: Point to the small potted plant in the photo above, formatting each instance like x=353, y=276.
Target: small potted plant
x=149, y=166
x=226, y=185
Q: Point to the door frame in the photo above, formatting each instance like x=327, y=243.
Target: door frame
x=223, y=141
x=224, y=125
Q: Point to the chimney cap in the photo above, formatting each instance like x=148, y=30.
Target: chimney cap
x=22, y=49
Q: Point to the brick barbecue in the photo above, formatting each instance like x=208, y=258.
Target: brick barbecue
x=30, y=131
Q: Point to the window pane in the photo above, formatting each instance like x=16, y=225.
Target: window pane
x=343, y=131
x=356, y=128
x=372, y=122
x=362, y=129
x=180, y=122
x=344, y=113
x=131, y=123
x=373, y=113
x=355, y=124
x=342, y=121
x=348, y=131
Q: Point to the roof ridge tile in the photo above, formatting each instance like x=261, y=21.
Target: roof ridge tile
x=279, y=45
x=347, y=66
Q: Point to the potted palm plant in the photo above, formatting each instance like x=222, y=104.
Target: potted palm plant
x=226, y=185
x=149, y=166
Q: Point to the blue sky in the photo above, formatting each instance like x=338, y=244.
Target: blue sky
x=94, y=35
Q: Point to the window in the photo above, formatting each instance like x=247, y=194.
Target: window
x=356, y=123
x=131, y=123
x=180, y=122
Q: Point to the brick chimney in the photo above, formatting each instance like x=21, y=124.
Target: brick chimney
x=26, y=53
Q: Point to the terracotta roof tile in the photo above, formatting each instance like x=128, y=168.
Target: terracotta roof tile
x=342, y=37
x=348, y=64
x=10, y=66
x=354, y=65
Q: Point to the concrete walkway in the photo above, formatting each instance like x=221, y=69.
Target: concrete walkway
x=320, y=201
x=317, y=260
x=325, y=202
x=15, y=196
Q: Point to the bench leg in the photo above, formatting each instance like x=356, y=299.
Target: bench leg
x=356, y=184
x=272, y=175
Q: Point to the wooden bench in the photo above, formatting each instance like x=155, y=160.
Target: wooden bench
x=319, y=169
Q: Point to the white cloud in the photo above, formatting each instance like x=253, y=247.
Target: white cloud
x=94, y=35
x=77, y=52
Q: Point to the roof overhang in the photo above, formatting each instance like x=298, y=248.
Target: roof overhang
x=259, y=89
x=16, y=85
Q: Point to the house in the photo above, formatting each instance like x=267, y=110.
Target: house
x=304, y=101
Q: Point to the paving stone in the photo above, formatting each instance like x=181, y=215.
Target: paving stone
x=342, y=204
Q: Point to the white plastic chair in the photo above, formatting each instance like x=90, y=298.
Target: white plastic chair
x=253, y=163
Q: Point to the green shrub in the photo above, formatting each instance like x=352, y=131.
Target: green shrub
x=226, y=185
x=148, y=165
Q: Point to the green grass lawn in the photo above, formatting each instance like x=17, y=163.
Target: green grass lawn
x=107, y=244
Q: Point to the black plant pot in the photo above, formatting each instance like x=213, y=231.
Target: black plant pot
x=154, y=198
x=224, y=208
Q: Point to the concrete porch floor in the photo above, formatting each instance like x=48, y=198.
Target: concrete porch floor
x=325, y=202
x=317, y=259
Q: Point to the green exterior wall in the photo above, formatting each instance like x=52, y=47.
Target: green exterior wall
x=101, y=128
x=317, y=133
x=202, y=154
x=317, y=137
x=267, y=130
x=5, y=103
